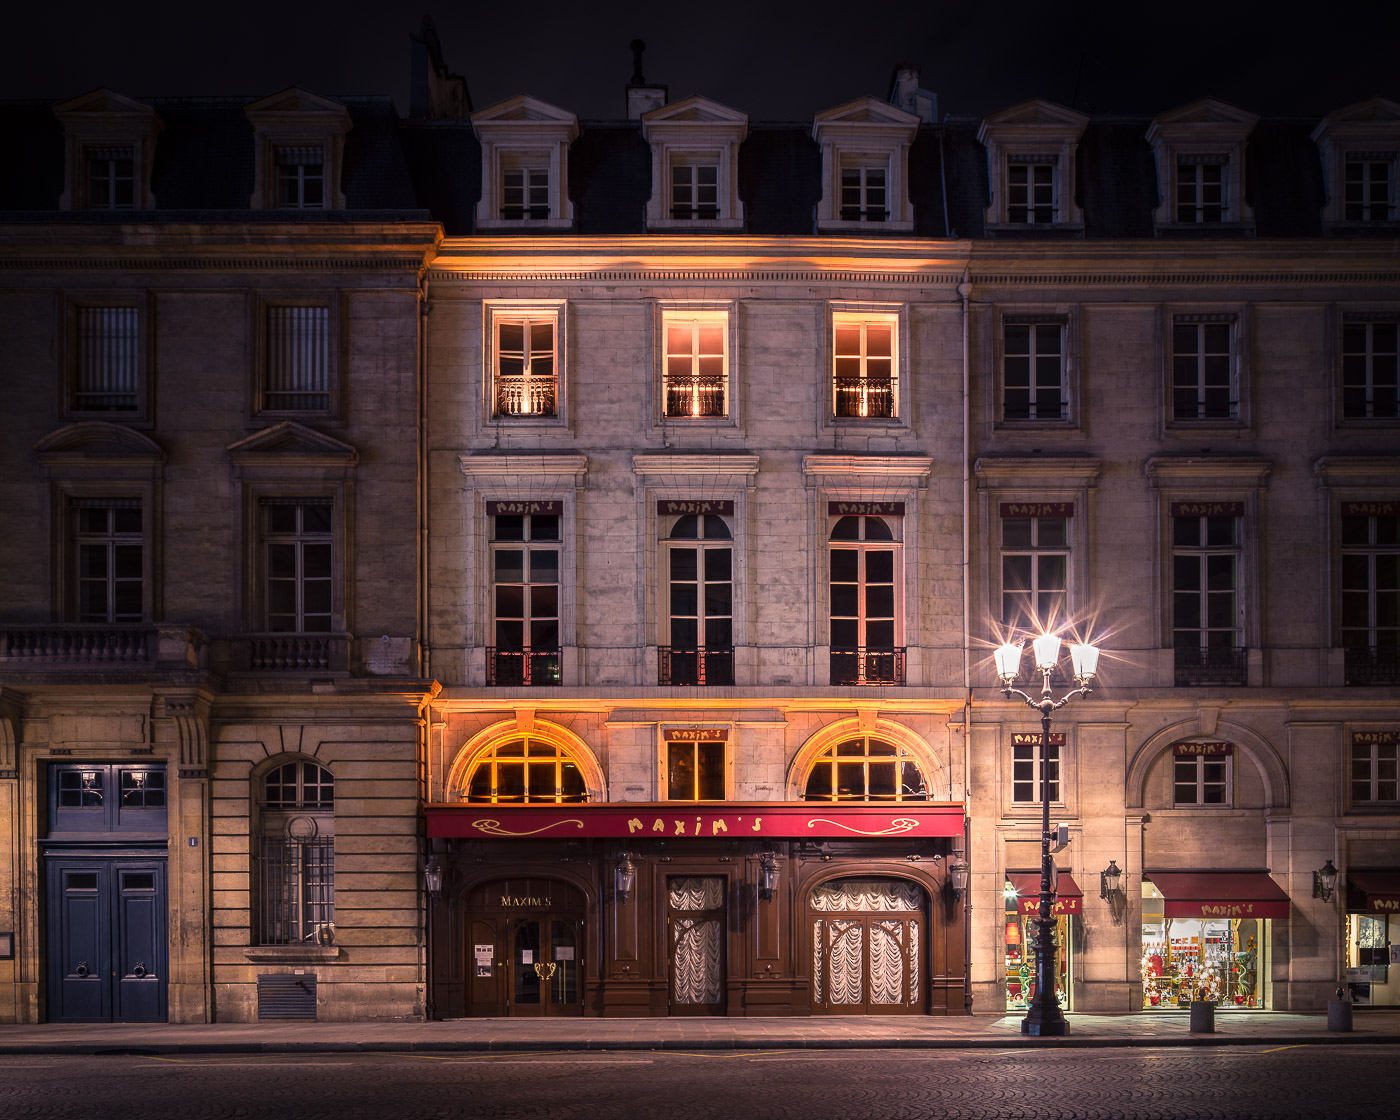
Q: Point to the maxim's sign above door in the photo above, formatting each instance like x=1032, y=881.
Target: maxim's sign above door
x=668, y=820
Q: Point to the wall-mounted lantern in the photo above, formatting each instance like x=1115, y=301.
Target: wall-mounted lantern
x=1325, y=882
x=1110, y=880
x=767, y=875
x=625, y=877
x=432, y=878
x=957, y=875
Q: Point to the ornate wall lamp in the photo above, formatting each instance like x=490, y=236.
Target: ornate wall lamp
x=957, y=875
x=1325, y=881
x=432, y=878
x=625, y=877
x=1110, y=880
x=767, y=874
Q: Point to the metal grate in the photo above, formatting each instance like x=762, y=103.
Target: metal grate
x=286, y=996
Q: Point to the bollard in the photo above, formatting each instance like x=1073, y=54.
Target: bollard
x=1339, y=1014
x=1202, y=1016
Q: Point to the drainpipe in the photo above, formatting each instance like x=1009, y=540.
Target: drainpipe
x=965, y=291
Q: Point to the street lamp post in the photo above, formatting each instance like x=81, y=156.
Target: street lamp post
x=1043, y=1016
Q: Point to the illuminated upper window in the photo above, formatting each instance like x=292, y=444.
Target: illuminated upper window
x=523, y=771
x=865, y=769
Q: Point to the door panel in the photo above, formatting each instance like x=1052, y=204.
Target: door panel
x=695, y=929
x=139, y=972
x=525, y=962
x=867, y=946
x=487, y=964
x=82, y=967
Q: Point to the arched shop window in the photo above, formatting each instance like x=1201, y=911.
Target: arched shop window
x=865, y=769
x=526, y=771
x=296, y=856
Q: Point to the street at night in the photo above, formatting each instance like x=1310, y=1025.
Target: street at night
x=1269, y=1081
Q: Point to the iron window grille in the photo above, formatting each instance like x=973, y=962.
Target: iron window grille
x=296, y=855
x=106, y=370
x=298, y=359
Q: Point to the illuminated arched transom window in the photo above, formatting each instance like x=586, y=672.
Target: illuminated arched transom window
x=865, y=770
x=526, y=770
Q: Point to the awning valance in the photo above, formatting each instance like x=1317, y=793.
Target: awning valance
x=1374, y=891
x=1069, y=899
x=669, y=820
x=1219, y=894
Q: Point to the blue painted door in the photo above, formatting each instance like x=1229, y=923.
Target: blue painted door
x=107, y=943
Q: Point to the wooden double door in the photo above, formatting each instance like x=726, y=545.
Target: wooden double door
x=525, y=950
x=868, y=947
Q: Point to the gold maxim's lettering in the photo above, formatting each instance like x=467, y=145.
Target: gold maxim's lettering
x=680, y=828
x=898, y=826
x=515, y=900
x=716, y=827
x=493, y=827
x=758, y=824
x=658, y=825
x=633, y=825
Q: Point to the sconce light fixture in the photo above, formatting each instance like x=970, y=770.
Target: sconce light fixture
x=1325, y=881
x=1110, y=879
x=625, y=878
x=432, y=877
x=957, y=875
x=767, y=875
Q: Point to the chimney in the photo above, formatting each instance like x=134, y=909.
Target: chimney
x=642, y=98
x=434, y=91
x=905, y=93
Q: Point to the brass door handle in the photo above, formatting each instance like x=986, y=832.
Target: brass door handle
x=544, y=969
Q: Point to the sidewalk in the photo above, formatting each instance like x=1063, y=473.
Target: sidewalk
x=821, y=1033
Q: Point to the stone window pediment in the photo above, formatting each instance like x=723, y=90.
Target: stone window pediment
x=524, y=165
x=1031, y=154
x=694, y=165
x=288, y=446
x=109, y=146
x=865, y=167
x=300, y=141
x=1360, y=150
x=1199, y=151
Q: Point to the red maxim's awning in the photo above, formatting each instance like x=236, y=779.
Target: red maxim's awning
x=669, y=820
x=1219, y=894
x=1069, y=899
x=1381, y=888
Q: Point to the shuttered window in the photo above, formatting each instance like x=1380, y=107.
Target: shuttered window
x=298, y=365
x=106, y=371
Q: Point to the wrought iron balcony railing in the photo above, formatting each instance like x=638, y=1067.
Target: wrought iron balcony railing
x=695, y=396
x=1201, y=668
x=1373, y=665
x=858, y=396
x=526, y=396
x=712, y=665
x=522, y=667
x=867, y=666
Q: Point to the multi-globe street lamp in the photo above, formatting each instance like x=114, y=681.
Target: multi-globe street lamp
x=1043, y=1015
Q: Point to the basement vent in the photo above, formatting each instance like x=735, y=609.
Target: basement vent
x=285, y=996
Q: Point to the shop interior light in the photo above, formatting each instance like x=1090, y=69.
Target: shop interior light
x=1325, y=881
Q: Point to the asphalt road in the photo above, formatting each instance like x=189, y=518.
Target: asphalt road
x=1352, y=1081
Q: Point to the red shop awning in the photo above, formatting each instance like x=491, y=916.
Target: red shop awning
x=1219, y=894
x=1381, y=889
x=1069, y=899
x=671, y=820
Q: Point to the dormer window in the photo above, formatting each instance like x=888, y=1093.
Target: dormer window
x=1360, y=149
x=109, y=144
x=524, y=165
x=694, y=161
x=300, y=142
x=1199, y=150
x=301, y=181
x=111, y=180
x=865, y=160
x=1031, y=153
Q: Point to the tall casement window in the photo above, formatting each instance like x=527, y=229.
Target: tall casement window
x=1201, y=183
x=526, y=771
x=695, y=765
x=1207, y=600
x=864, y=192
x=1034, y=565
x=1025, y=767
x=525, y=549
x=1370, y=369
x=698, y=559
x=1033, y=370
x=297, y=536
x=694, y=189
x=1201, y=774
x=301, y=178
x=1204, y=385
x=524, y=191
x=111, y=178
x=864, y=555
x=1371, y=591
x=1030, y=191
x=106, y=360
x=1375, y=768
x=296, y=855
x=695, y=378
x=297, y=365
x=865, y=769
x=864, y=376
x=525, y=382
x=1368, y=187
x=107, y=550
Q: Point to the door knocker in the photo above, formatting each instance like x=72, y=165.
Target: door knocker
x=545, y=969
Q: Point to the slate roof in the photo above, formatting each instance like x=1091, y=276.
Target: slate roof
x=414, y=169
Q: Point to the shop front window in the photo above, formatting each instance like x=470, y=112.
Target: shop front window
x=1372, y=940
x=1220, y=960
x=1019, y=934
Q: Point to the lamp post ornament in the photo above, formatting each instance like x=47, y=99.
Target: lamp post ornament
x=1043, y=1015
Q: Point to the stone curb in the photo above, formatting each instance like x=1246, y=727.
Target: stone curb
x=501, y=1046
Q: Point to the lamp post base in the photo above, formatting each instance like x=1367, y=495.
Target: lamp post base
x=1049, y=1028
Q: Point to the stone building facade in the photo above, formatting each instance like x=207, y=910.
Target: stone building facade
x=492, y=563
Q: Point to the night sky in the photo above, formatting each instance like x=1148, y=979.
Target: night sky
x=775, y=61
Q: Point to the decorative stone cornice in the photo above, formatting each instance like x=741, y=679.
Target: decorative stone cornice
x=692, y=464
x=899, y=466
x=1207, y=471
x=1045, y=472
x=1358, y=470
x=514, y=465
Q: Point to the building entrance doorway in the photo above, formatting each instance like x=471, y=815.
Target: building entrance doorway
x=695, y=944
x=107, y=946
x=525, y=949
x=867, y=947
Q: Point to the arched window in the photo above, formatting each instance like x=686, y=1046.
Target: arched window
x=864, y=558
x=865, y=769
x=526, y=771
x=296, y=857
x=698, y=645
